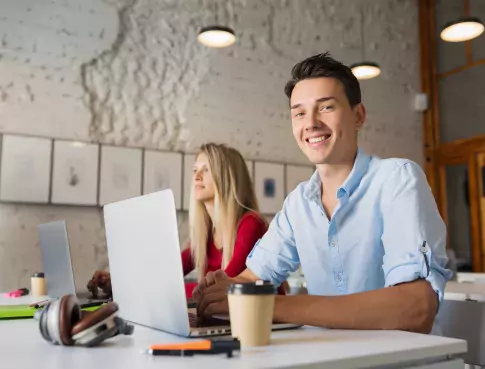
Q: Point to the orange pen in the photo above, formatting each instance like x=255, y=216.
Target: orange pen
x=195, y=347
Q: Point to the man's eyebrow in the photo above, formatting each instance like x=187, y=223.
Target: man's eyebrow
x=326, y=98
x=321, y=99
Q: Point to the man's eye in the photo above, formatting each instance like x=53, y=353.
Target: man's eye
x=326, y=108
x=297, y=115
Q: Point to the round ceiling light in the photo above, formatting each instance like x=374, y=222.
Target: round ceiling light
x=462, y=29
x=365, y=70
x=216, y=36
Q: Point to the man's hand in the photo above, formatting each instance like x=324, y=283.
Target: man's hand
x=211, y=294
x=102, y=280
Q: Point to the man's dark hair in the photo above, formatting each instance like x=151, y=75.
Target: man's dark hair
x=323, y=65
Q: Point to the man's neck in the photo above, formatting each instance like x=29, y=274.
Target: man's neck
x=334, y=175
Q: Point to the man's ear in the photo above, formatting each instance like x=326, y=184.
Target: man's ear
x=360, y=114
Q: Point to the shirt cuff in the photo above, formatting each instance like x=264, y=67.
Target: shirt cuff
x=412, y=272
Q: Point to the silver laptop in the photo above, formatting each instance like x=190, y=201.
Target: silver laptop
x=146, y=268
x=57, y=265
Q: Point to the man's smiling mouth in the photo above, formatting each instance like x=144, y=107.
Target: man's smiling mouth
x=313, y=140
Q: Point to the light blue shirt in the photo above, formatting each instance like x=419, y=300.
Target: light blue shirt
x=374, y=239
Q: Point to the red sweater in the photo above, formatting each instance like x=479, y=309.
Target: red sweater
x=251, y=228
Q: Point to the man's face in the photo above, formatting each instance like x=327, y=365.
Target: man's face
x=324, y=124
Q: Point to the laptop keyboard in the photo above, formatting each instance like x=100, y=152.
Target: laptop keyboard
x=197, y=322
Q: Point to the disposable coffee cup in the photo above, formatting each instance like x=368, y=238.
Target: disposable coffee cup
x=37, y=284
x=251, y=308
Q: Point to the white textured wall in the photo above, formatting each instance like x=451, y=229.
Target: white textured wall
x=130, y=72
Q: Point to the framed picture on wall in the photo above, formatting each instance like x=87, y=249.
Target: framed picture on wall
x=75, y=173
x=269, y=185
x=189, y=160
x=295, y=174
x=121, y=174
x=163, y=170
x=25, y=169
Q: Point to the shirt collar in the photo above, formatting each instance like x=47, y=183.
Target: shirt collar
x=361, y=163
x=359, y=169
x=313, y=187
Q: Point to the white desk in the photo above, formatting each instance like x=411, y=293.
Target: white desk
x=21, y=347
x=470, y=277
x=465, y=290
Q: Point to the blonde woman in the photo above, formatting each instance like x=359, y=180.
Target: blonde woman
x=224, y=217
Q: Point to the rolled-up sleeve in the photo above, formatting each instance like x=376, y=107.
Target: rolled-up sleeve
x=275, y=255
x=414, y=234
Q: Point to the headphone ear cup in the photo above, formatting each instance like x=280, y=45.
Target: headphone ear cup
x=90, y=319
x=56, y=319
x=69, y=315
x=52, y=322
x=41, y=316
x=96, y=326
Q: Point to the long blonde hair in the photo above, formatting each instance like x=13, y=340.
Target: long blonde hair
x=233, y=196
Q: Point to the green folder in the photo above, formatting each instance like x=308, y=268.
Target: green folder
x=25, y=312
x=16, y=312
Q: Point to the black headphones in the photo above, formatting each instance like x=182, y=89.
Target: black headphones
x=62, y=322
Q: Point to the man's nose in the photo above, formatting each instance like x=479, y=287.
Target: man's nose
x=312, y=122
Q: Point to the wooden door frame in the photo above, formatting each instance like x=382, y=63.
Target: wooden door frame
x=429, y=86
x=465, y=152
x=480, y=167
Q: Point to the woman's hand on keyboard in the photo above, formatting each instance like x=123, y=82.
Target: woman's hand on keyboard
x=101, y=279
x=211, y=294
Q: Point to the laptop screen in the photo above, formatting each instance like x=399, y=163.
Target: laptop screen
x=56, y=259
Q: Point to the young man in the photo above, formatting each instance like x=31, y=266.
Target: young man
x=366, y=231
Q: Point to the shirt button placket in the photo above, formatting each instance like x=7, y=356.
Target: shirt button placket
x=337, y=271
x=334, y=252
